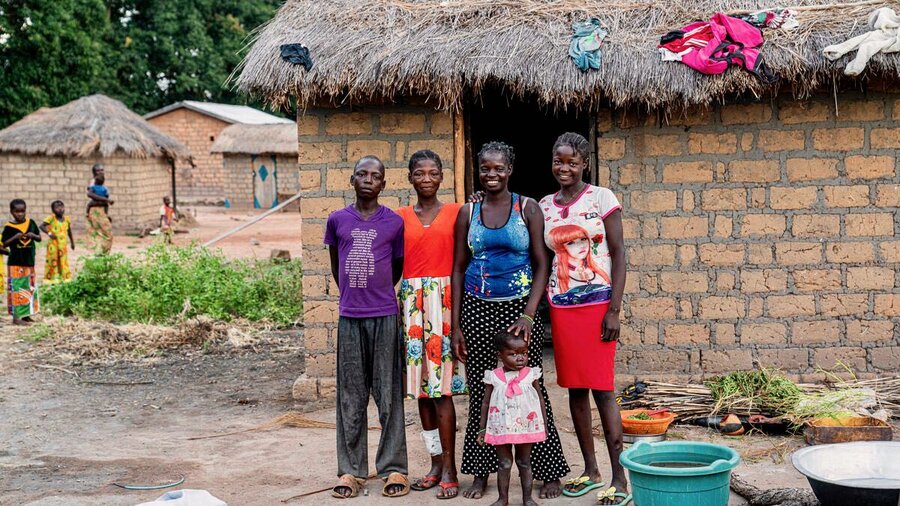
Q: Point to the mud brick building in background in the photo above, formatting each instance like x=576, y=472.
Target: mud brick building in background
x=48, y=155
x=259, y=164
x=761, y=221
x=197, y=125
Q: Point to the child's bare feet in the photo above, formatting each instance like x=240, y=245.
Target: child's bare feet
x=529, y=501
x=500, y=502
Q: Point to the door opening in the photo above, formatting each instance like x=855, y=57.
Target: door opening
x=531, y=130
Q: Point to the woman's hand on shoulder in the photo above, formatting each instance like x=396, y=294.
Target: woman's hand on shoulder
x=476, y=197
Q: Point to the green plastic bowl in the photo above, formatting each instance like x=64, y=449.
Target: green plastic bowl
x=680, y=473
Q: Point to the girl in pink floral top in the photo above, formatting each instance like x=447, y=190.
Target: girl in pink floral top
x=512, y=413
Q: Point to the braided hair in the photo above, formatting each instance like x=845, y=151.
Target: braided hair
x=575, y=141
x=498, y=147
x=424, y=154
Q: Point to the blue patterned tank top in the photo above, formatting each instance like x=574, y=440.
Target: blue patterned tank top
x=500, y=268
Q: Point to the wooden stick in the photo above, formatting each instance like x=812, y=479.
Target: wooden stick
x=459, y=156
x=57, y=368
x=252, y=221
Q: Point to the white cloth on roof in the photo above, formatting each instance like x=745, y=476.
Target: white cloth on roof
x=883, y=38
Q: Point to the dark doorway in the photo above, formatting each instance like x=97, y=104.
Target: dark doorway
x=531, y=130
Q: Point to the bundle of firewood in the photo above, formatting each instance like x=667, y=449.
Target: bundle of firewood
x=694, y=401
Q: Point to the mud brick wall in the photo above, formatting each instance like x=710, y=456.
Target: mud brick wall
x=760, y=231
x=197, y=132
x=238, y=178
x=330, y=142
x=136, y=185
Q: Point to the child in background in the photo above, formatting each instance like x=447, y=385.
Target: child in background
x=99, y=222
x=167, y=220
x=21, y=235
x=59, y=228
x=512, y=414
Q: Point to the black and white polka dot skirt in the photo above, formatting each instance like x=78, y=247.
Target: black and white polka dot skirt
x=480, y=320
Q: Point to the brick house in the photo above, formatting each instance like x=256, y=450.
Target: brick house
x=197, y=125
x=761, y=221
x=259, y=164
x=48, y=155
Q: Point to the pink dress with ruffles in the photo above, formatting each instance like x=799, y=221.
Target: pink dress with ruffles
x=514, y=415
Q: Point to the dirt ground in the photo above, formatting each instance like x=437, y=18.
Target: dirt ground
x=278, y=231
x=69, y=434
x=70, y=429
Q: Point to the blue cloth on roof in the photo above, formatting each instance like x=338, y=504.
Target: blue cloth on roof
x=586, y=41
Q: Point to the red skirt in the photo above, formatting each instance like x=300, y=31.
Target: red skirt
x=582, y=359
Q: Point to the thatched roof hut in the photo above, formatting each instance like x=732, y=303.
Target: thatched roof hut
x=91, y=125
x=760, y=221
x=48, y=155
x=255, y=139
x=389, y=48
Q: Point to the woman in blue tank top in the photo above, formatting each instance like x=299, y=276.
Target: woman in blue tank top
x=500, y=270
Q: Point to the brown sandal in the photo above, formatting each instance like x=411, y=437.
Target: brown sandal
x=348, y=481
x=395, y=479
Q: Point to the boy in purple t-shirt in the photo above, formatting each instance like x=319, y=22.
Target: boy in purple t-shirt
x=365, y=240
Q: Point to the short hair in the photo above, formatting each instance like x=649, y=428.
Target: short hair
x=369, y=158
x=425, y=154
x=577, y=142
x=97, y=168
x=17, y=202
x=498, y=147
x=57, y=203
x=503, y=340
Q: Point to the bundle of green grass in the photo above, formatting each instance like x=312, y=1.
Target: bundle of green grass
x=165, y=284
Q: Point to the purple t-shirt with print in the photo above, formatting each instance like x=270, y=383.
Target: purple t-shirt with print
x=366, y=249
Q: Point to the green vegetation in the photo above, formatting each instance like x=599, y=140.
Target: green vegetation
x=165, y=284
x=764, y=389
x=38, y=332
x=146, y=53
x=640, y=416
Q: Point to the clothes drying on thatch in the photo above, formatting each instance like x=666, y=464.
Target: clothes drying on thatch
x=585, y=46
x=773, y=18
x=884, y=37
x=280, y=139
x=91, y=125
x=377, y=49
x=710, y=47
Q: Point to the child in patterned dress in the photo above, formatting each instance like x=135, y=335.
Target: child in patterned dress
x=513, y=414
x=58, y=227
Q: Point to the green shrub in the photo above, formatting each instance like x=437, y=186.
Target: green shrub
x=165, y=283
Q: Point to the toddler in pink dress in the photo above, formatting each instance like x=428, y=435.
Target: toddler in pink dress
x=512, y=414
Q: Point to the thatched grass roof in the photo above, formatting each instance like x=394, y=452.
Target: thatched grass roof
x=279, y=139
x=366, y=49
x=91, y=125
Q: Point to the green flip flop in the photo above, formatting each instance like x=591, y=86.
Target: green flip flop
x=585, y=484
x=611, y=493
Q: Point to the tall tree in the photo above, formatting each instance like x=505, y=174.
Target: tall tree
x=147, y=53
x=50, y=53
x=170, y=50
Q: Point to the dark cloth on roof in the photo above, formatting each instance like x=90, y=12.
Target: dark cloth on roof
x=298, y=54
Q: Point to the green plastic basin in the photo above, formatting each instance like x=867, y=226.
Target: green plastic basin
x=679, y=473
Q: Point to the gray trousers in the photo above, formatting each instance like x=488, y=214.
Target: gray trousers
x=370, y=359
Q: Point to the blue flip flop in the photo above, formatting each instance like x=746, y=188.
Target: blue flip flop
x=584, y=481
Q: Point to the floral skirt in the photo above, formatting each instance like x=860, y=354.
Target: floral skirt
x=431, y=371
x=21, y=292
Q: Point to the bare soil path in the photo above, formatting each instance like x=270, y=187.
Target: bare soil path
x=67, y=438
